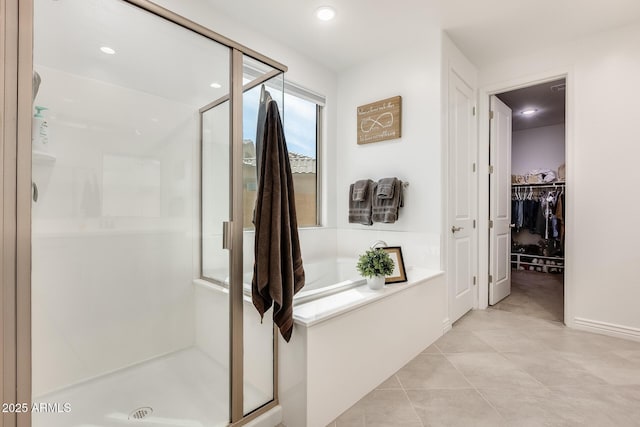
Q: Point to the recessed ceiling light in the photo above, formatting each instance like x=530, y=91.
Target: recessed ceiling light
x=529, y=112
x=215, y=85
x=325, y=13
x=107, y=50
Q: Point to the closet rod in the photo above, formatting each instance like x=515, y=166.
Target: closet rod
x=540, y=184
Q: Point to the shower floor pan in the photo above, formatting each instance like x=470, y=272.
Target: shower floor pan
x=182, y=389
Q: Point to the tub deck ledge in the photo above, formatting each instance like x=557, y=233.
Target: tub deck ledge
x=322, y=309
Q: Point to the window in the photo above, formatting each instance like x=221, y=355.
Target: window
x=301, y=131
x=301, y=117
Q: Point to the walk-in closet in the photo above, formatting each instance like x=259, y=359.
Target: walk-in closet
x=538, y=204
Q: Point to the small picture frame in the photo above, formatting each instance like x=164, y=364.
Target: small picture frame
x=398, y=275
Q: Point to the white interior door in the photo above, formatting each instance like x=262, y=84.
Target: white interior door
x=462, y=256
x=500, y=203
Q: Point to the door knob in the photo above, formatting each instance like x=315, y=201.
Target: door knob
x=454, y=228
x=512, y=226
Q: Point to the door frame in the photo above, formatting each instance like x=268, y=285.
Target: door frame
x=483, y=183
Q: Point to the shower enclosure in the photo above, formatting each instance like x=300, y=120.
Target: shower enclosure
x=131, y=200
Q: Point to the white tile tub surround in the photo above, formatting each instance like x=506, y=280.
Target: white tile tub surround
x=345, y=344
x=418, y=248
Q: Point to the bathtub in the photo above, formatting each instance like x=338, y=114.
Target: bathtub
x=322, y=278
x=328, y=277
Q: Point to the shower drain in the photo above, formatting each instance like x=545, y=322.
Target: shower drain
x=140, y=413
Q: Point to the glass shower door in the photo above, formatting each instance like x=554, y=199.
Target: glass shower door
x=253, y=386
x=121, y=331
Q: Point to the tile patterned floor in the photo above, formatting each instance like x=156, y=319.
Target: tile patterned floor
x=535, y=294
x=499, y=367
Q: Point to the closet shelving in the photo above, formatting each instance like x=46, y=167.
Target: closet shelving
x=520, y=260
x=544, y=263
x=556, y=184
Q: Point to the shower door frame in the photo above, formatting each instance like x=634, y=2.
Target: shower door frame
x=16, y=42
x=16, y=71
x=236, y=237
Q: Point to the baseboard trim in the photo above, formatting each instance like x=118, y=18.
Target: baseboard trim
x=618, y=331
x=446, y=325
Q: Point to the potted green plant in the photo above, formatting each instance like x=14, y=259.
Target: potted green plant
x=374, y=264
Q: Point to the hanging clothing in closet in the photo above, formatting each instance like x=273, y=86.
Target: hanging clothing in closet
x=524, y=213
x=538, y=213
x=530, y=209
x=517, y=213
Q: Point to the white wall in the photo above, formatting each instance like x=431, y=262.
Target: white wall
x=602, y=277
x=414, y=74
x=537, y=148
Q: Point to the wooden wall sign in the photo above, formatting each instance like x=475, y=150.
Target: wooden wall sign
x=380, y=121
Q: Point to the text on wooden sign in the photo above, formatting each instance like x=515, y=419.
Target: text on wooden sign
x=380, y=121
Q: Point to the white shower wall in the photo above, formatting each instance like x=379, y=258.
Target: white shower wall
x=113, y=230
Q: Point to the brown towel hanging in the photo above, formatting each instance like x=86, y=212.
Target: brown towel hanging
x=278, y=273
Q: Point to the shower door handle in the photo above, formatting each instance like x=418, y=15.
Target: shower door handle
x=35, y=193
x=226, y=235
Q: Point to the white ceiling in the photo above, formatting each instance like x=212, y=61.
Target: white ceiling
x=548, y=103
x=486, y=30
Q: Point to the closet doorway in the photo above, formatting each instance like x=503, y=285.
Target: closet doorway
x=527, y=200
